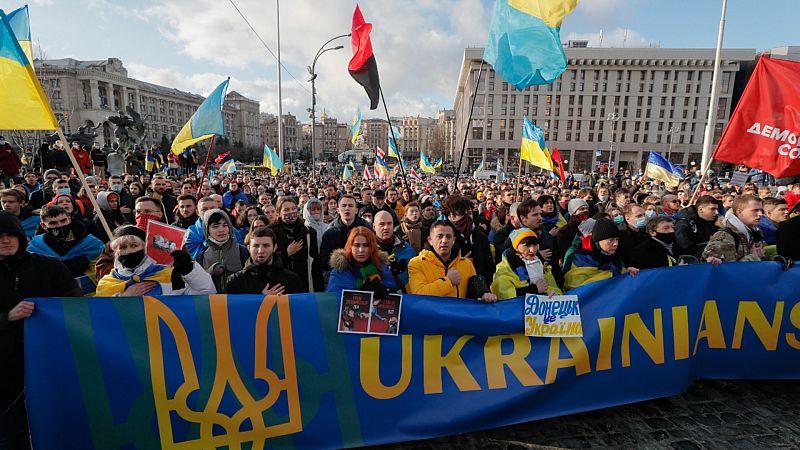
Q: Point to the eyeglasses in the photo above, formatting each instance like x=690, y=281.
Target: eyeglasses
x=147, y=211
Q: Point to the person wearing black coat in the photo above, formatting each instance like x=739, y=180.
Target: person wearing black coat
x=695, y=226
x=656, y=250
x=292, y=236
x=632, y=232
x=336, y=236
x=470, y=240
x=23, y=275
x=788, y=236
x=263, y=273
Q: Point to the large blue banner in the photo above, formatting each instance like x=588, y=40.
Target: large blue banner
x=255, y=372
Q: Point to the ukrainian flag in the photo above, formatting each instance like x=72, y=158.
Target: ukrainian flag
x=272, y=160
x=206, y=122
x=533, y=149
x=425, y=163
x=438, y=164
x=381, y=167
x=355, y=127
x=20, y=23
x=392, y=147
x=23, y=105
x=228, y=168
x=348, y=172
x=524, y=44
x=659, y=168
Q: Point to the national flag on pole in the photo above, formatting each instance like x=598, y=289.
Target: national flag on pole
x=425, y=164
x=207, y=121
x=381, y=168
x=764, y=130
x=480, y=166
x=533, y=148
x=437, y=164
x=347, y=172
x=556, y=157
x=379, y=152
x=413, y=173
x=355, y=127
x=659, y=168
x=524, y=44
x=228, y=168
x=20, y=22
x=366, y=175
x=272, y=160
x=393, y=149
x=221, y=157
x=23, y=105
x=363, y=67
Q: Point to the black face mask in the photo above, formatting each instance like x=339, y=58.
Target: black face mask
x=59, y=233
x=667, y=238
x=131, y=260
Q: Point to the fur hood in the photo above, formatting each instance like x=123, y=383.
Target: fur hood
x=339, y=262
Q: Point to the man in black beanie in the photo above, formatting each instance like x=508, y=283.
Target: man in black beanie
x=22, y=275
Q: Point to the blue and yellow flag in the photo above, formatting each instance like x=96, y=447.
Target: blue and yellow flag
x=393, y=152
x=23, y=105
x=272, y=160
x=524, y=44
x=659, y=168
x=437, y=164
x=228, y=168
x=425, y=163
x=348, y=171
x=533, y=148
x=207, y=121
x=381, y=168
x=480, y=166
x=20, y=22
x=355, y=127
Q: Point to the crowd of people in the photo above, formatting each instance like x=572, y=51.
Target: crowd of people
x=253, y=233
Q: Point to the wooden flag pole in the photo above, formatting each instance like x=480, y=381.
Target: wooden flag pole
x=700, y=183
x=518, y=197
x=205, y=167
x=86, y=187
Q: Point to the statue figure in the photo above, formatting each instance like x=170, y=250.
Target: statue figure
x=130, y=130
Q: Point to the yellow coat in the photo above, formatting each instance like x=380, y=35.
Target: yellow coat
x=428, y=276
x=506, y=281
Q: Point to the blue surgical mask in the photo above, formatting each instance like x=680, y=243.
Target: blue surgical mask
x=116, y=187
x=618, y=219
x=67, y=191
x=649, y=213
x=641, y=223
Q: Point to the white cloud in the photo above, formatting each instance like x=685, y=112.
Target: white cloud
x=618, y=37
x=418, y=46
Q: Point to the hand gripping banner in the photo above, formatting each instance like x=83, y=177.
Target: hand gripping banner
x=253, y=372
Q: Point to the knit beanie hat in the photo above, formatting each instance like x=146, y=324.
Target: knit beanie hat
x=604, y=229
x=522, y=234
x=130, y=230
x=575, y=204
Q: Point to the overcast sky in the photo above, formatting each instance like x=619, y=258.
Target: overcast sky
x=194, y=44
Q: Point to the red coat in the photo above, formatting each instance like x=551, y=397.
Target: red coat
x=84, y=160
x=9, y=161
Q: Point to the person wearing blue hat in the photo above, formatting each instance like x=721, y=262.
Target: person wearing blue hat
x=521, y=272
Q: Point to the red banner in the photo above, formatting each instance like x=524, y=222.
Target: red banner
x=556, y=157
x=764, y=130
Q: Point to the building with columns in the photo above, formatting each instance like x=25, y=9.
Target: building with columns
x=292, y=134
x=331, y=138
x=88, y=92
x=634, y=99
x=376, y=133
x=447, y=132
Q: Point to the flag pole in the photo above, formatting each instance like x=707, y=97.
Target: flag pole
x=86, y=188
x=700, y=183
x=469, y=125
x=519, y=179
x=280, y=95
x=712, y=106
x=205, y=167
x=400, y=156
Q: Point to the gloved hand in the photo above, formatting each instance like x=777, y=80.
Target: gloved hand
x=182, y=262
x=375, y=285
x=787, y=263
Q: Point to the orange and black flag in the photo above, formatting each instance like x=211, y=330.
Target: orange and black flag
x=363, y=67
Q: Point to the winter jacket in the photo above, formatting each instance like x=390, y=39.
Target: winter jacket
x=9, y=161
x=400, y=253
x=196, y=240
x=345, y=277
x=79, y=257
x=499, y=239
x=255, y=277
x=769, y=230
x=692, y=233
x=511, y=278
x=24, y=276
x=335, y=237
x=589, y=265
x=300, y=262
x=729, y=245
x=650, y=254
x=83, y=159
x=788, y=237
x=230, y=198
x=476, y=246
x=196, y=282
x=427, y=275
x=629, y=239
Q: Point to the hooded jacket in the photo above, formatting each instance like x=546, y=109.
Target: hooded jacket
x=345, y=277
x=511, y=278
x=590, y=264
x=24, y=276
x=301, y=261
x=692, y=233
x=319, y=226
x=230, y=255
x=196, y=282
x=79, y=255
x=253, y=278
x=113, y=217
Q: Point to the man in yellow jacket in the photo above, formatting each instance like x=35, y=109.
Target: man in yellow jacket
x=438, y=270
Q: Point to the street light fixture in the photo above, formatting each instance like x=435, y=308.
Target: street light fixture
x=669, y=149
x=313, y=73
x=612, y=118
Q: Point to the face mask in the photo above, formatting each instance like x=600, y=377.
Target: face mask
x=59, y=233
x=603, y=198
x=143, y=219
x=667, y=238
x=66, y=191
x=641, y=223
x=618, y=219
x=649, y=213
x=131, y=260
x=116, y=187
x=582, y=216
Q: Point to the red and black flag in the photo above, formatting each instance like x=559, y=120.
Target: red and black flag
x=363, y=67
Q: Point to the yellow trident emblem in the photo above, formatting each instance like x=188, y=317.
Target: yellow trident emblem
x=226, y=378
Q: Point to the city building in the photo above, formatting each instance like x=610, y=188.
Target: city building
x=245, y=120
x=86, y=93
x=416, y=135
x=376, y=133
x=292, y=134
x=447, y=132
x=331, y=138
x=636, y=99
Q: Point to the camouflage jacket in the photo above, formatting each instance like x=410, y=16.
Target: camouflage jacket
x=725, y=246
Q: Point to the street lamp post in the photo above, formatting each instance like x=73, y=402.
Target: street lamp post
x=313, y=73
x=669, y=149
x=612, y=118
